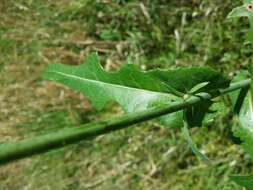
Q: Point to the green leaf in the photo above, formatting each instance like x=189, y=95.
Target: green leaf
x=244, y=130
x=244, y=117
x=184, y=79
x=193, y=146
x=246, y=181
x=198, y=87
x=133, y=89
x=242, y=75
x=196, y=114
x=245, y=10
x=238, y=97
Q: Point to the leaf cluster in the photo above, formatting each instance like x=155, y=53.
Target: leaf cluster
x=136, y=90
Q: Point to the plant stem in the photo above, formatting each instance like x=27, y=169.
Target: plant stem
x=21, y=149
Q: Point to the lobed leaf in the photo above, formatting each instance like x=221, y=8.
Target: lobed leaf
x=133, y=89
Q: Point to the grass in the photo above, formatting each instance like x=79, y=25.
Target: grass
x=153, y=34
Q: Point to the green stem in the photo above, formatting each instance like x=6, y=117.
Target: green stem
x=17, y=150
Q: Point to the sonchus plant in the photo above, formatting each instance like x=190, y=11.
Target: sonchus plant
x=183, y=98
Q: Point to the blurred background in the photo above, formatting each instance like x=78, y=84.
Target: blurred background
x=149, y=33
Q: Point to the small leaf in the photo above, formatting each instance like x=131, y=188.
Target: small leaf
x=198, y=87
x=193, y=146
x=245, y=181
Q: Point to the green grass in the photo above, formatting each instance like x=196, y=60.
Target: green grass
x=35, y=33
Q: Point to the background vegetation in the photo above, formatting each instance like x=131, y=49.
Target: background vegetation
x=150, y=33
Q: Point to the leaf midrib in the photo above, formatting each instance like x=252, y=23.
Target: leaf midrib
x=114, y=85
